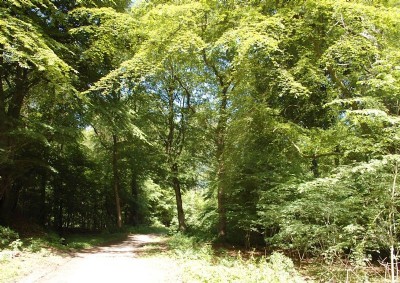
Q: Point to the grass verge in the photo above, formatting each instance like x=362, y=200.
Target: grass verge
x=199, y=262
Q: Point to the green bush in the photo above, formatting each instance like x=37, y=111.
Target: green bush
x=200, y=263
x=207, y=268
x=7, y=236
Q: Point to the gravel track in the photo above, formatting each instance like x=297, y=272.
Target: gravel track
x=119, y=262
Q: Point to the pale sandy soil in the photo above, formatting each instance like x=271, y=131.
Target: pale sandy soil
x=121, y=262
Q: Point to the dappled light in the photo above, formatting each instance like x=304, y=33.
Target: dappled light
x=200, y=140
x=118, y=261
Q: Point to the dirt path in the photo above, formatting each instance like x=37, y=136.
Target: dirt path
x=113, y=263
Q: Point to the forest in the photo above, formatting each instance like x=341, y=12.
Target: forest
x=259, y=123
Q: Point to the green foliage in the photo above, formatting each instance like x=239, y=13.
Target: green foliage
x=146, y=229
x=85, y=241
x=352, y=219
x=200, y=263
x=280, y=117
x=8, y=238
x=200, y=214
x=71, y=242
x=158, y=204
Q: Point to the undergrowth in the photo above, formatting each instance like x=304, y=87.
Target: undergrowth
x=7, y=237
x=147, y=229
x=10, y=240
x=200, y=264
x=197, y=259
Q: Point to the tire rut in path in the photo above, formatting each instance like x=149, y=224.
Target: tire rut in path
x=117, y=262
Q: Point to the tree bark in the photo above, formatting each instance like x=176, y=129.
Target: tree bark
x=178, y=196
x=226, y=85
x=173, y=148
x=220, y=144
x=116, y=181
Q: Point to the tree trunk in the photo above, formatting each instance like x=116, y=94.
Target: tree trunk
x=314, y=167
x=116, y=181
x=225, y=85
x=2, y=94
x=173, y=152
x=10, y=116
x=178, y=196
x=221, y=202
x=220, y=144
x=57, y=203
x=60, y=217
x=134, y=209
x=17, y=99
x=42, y=212
x=8, y=200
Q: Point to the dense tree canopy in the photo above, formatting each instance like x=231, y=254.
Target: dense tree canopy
x=259, y=122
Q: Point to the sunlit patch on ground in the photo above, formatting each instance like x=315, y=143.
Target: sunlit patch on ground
x=116, y=262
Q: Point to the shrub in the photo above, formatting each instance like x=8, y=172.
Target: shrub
x=7, y=236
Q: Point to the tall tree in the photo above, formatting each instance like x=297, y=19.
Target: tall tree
x=35, y=70
x=175, y=53
x=29, y=63
x=230, y=32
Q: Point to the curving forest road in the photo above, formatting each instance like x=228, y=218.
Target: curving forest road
x=119, y=262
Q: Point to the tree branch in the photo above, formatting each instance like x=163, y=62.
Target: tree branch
x=315, y=155
x=99, y=136
x=339, y=82
x=215, y=70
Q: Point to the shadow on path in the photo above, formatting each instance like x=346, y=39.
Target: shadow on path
x=121, y=261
